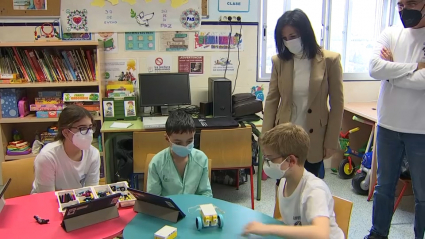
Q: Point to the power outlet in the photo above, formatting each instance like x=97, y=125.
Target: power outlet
x=225, y=18
x=236, y=19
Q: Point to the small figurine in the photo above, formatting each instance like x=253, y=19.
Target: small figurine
x=40, y=220
x=16, y=135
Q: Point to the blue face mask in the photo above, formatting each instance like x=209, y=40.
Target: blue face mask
x=182, y=151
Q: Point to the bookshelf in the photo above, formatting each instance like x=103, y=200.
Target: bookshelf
x=90, y=80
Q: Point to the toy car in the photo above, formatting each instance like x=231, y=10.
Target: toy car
x=209, y=217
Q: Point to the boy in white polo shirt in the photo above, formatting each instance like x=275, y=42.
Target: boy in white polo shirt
x=305, y=201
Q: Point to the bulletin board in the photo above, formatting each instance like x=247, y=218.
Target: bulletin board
x=205, y=8
x=53, y=10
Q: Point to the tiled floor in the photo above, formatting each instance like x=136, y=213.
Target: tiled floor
x=361, y=218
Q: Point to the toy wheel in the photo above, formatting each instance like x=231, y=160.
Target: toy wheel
x=220, y=221
x=344, y=170
x=356, y=183
x=198, y=223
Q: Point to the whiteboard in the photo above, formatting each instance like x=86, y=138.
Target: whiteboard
x=130, y=15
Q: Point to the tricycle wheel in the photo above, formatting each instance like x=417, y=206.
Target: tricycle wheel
x=356, y=183
x=345, y=171
x=199, y=223
x=220, y=221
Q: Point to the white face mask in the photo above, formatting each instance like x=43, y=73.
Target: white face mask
x=294, y=46
x=273, y=170
x=81, y=141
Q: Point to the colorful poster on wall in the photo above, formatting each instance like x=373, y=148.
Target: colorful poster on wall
x=159, y=64
x=30, y=4
x=122, y=69
x=130, y=15
x=173, y=41
x=110, y=41
x=191, y=64
x=140, y=41
x=220, y=64
x=218, y=41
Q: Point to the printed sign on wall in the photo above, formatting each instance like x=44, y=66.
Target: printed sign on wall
x=233, y=5
x=191, y=64
x=173, y=41
x=159, y=64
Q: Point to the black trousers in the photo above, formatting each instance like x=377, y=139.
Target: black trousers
x=313, y=168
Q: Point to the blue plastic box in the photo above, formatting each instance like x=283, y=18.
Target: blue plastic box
x=9, y=102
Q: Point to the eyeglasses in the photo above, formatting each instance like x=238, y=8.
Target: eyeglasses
x=84, y=130
x=267, y=159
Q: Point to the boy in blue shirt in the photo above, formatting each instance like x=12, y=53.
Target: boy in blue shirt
x=179, y=169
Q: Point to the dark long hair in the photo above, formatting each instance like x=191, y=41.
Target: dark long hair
x=298, y=20
x=69, y=116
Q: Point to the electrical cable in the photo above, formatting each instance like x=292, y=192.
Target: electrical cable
x=239, y=60
x=228, y=49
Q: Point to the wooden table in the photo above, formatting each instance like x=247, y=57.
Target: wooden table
x=366, y=110
x=153, y=141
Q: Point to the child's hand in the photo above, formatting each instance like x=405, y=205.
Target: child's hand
x=256, y=228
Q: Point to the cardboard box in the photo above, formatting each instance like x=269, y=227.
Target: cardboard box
x=48, y=114
x=46, y=107
x=73, y=97
x=48, y=100
x=166, y=232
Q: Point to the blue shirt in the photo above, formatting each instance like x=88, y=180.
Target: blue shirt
x=164, y=179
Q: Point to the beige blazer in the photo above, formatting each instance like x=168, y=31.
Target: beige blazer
x=323, y=125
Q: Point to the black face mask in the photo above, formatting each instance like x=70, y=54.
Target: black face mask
x=411, y=17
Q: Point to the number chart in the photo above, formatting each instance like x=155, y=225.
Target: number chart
x=140, y=41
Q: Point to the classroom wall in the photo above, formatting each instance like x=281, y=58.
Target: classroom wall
x=353, y=91
x=247, y=71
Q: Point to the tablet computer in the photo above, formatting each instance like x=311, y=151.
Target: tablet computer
x=3, y=190
x=163, y=202
x=91, y=206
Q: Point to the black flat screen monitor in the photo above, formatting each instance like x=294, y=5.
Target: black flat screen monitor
x=164, y=89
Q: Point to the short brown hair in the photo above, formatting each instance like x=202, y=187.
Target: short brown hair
x=69, y=116
x=287, y=139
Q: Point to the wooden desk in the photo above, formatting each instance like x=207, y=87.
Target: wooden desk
x=151, y=141
x=366, y=110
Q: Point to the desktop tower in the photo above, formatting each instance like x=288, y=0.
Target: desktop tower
x=220, y=94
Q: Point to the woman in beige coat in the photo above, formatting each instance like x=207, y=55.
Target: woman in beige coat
x=303, y=77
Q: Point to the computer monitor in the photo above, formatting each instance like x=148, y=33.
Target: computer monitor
x=164, y=89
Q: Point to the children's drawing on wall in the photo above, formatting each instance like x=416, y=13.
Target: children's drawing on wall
x=121, y=70
x=110, y=41
x=29, y=4
x=142, y=18
x=220, y=64
x=218, y=41
x=130, y=109
x=108, y=108
x=258, y=92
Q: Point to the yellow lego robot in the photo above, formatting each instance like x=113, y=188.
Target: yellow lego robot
x=209, y=217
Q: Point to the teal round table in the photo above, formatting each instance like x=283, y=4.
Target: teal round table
x=235, y=219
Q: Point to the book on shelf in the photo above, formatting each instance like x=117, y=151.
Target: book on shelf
x=48, y=65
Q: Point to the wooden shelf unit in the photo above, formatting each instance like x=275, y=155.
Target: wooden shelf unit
x=29, y=125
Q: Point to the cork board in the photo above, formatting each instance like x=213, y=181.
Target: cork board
x=205, y=8
x=53, y=10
